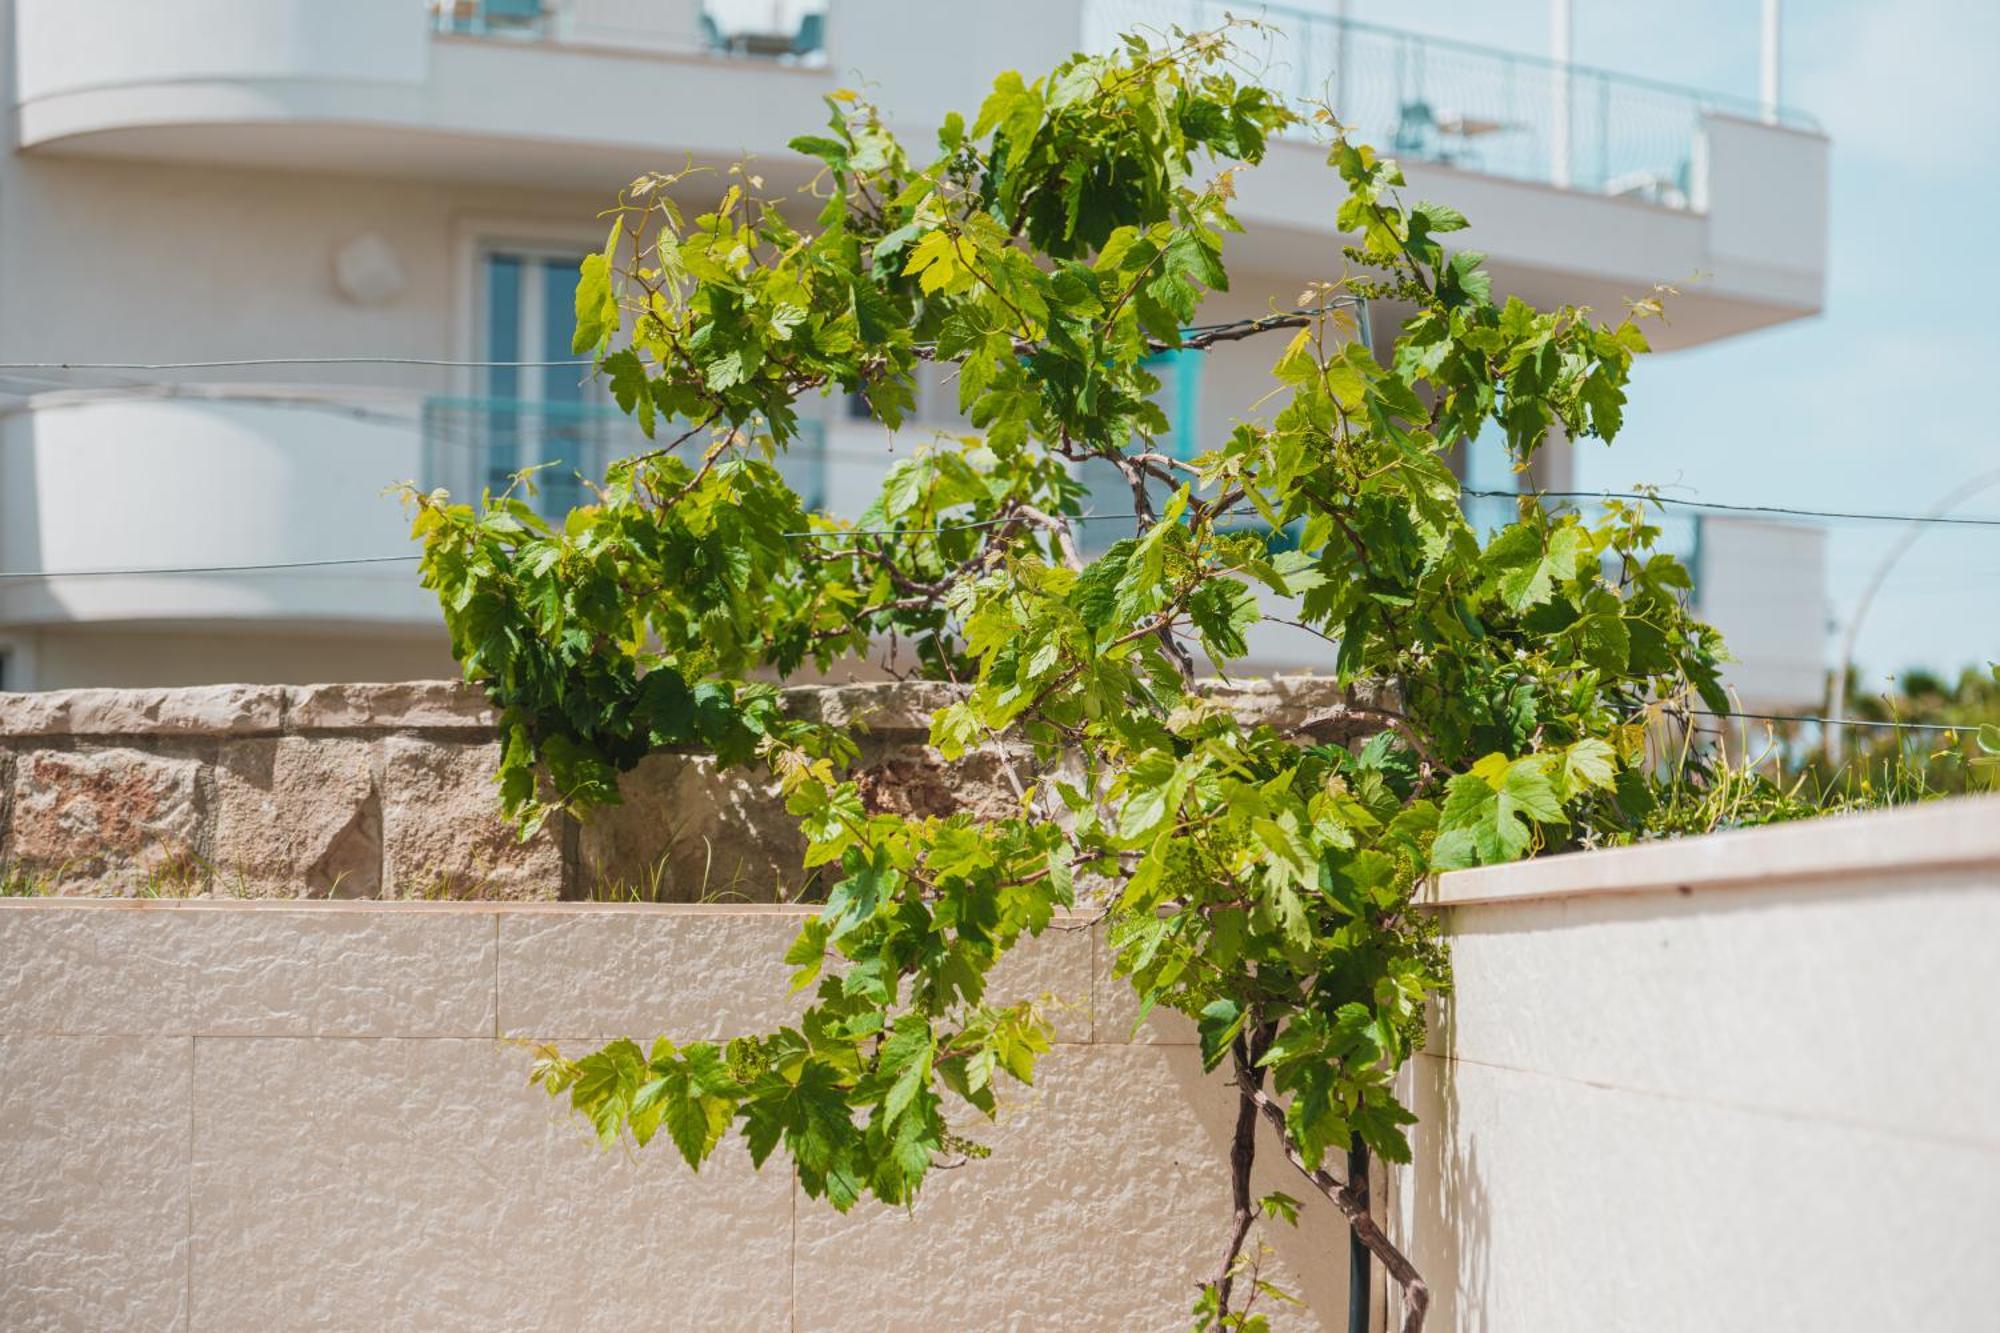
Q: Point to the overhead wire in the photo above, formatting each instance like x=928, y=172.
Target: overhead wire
x=1679, y=502
x=1838, y=721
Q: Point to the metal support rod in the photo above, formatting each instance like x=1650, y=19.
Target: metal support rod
x=1343, y=45
x=1358, y=1257
x=1561, y=50
x=1770, y=60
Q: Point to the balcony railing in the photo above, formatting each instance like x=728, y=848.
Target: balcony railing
x=479, y=444
x=1436, y=100
x=684, y=26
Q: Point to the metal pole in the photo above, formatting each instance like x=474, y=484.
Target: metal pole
x=1358, y=1258
x=1340, y=49
x=1561, y=44
x=1836, y=706
x=1769, y=65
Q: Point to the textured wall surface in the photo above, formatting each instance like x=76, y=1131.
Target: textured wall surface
x=266, y=1116
x=1739, y=1082
x=386, y=791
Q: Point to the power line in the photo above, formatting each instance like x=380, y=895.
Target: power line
x=1839, y=722
x=1854, y=515
x=243, y=362
x=471, y=439
x=138, y=571
x=815, y=534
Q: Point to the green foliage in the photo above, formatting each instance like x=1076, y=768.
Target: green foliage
x=1934, y=738
x=1259, y=882
x=1951, y=742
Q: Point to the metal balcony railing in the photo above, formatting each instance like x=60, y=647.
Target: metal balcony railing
x=477, y=444
x=1472, y=107
x=684, y=26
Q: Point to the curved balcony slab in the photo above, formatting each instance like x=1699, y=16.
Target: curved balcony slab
x=371, y=86
x=94, y=482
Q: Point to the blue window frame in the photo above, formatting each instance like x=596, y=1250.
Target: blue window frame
x=528, y=415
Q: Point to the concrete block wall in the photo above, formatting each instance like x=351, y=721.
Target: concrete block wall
x=386, y=791
x=1737, y=1082
x=229, y=1115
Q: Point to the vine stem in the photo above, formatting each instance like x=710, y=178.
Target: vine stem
x=1242, y=1156
x=1352, y=1201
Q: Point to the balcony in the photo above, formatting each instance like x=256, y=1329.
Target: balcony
x=553, y=94
x=681, y=27
x=305, y=470
x=1584, y=186
x=209, y=477
x=472, y=445
x=1473, y=108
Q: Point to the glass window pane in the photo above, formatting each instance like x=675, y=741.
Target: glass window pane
x=569, y=429
x=498, y=432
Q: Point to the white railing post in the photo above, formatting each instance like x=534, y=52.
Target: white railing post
x=1770, y=52
x=1560, y=50
x=1340, y=58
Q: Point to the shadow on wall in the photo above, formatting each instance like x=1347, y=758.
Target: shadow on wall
x=1446, y=1221
x=1313, y=1254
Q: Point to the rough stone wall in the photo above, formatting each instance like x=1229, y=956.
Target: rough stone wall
x=385, y=791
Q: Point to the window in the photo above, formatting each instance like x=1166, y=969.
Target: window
x=1110, y=495
x=535, y=404
x=935, y=388
x=551, y=414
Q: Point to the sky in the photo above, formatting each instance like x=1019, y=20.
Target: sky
x=1876, y=403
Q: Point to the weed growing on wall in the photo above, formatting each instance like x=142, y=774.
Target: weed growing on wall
x=1049, y=250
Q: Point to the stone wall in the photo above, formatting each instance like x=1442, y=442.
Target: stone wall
x=385, y=791
x=222, y=1115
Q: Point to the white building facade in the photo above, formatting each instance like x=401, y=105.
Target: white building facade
x=356, y=195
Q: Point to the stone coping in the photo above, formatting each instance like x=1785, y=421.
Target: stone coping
x=245, y=710
x=356, y=906
x=1960, y=833
x=1064, y=918
x=888, y=707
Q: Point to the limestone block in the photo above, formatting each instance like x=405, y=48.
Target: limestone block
x=203, y=710
x=598, y=972
x=1115, y=1007
x=374, y=970
x=442, y=835
x=297, y=817
x=416, y=705
x=879, y=707
x=689, y=831
x=602, y=971
x=110, y=821
x=93, y=1182
x=94, y=967
x=1103, y=1205
x=1053, y=970
x=422, y=1185
x=899, y=777
x=1288, y=702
